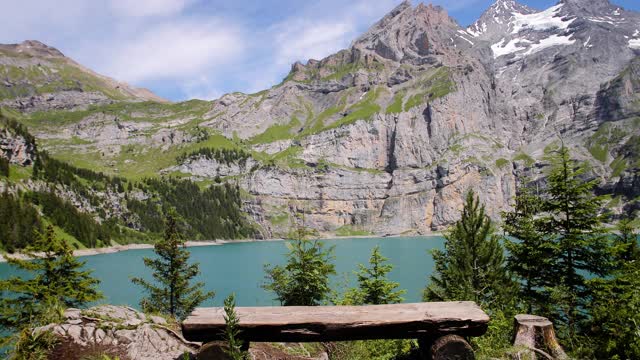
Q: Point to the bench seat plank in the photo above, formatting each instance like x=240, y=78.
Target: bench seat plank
x=341, y=323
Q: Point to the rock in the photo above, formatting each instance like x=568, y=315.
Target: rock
x=66, y=100
x=120, y=330
x=158, y=320
x=203, y=167
x=16, y=148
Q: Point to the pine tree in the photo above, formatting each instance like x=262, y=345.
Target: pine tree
x=304, y=280
x=529, y=254
x=174, y=294
x=614, y=309
x=576, y=237
x=57, y=278
x=626, y=242
x=231, y=331
x=375, y=288
x=472, y=265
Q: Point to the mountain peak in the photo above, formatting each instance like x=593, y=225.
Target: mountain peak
x=34, y=48
x=588, y=7
x=386, y=20
x=433, y=13
x=496, y=19
x=412, y=32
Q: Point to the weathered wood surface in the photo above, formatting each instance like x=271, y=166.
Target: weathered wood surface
x=536, y=335
x=341, y=323
x=451, y=347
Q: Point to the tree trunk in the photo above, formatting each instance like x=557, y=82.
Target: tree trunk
x=536, y=334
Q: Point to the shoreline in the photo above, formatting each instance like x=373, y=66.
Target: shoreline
x=188, y=244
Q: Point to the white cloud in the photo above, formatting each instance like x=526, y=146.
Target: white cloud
x=321, y=31
x=40, y=20
x=302, y=40
x=174, y=51
x=201, y=88
x=315, y=32
x=141, y=8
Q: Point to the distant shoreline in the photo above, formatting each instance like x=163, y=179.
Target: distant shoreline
x=127, y=247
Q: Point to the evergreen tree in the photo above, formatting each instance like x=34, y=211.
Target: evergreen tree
x=175, y=295
x=57, y=277
x=18, y=222
x=472, y=265
x=375, y=288
x=575, y=236
x=529, y=254
x=626, y=242
x=231, y=331
x=614, y=321
x=304, y=280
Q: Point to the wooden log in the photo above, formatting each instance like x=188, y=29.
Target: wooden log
x=341, y=323
x=216, y=350
x=451, y=347
x=536, y=334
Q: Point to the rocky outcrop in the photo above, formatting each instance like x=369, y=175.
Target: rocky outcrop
x=67, y=100
x=202, y=167
x=16, y=148
x=120, y=330
x=128, y=334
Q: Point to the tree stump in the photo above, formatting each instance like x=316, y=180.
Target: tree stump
x=536, y=334
x=448, y=347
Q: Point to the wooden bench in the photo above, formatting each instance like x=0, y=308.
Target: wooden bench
x=440, y=326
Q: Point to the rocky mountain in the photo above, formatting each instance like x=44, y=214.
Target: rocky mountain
x=38, y=77
x=386, y=136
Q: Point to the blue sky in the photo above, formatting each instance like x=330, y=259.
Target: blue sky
x=183, y=49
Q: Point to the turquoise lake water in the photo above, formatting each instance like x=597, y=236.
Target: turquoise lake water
x=238, y=267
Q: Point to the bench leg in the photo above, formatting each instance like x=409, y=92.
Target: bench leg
x=448, y=347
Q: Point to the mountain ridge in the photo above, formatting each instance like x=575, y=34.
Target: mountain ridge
x=60, y=73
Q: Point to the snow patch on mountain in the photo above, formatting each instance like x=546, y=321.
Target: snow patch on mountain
x=553, y=40
x=501, y=49
x=515, y=45
x=476, y=30
x=635, y=42
x=547, y=19
x=606, y=20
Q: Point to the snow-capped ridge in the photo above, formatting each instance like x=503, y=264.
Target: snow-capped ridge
x=543, y=20
x=497, y=19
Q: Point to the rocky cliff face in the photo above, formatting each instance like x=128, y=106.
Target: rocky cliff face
x=457, y=109
x=388, y=135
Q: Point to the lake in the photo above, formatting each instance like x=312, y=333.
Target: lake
x=238, y=267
